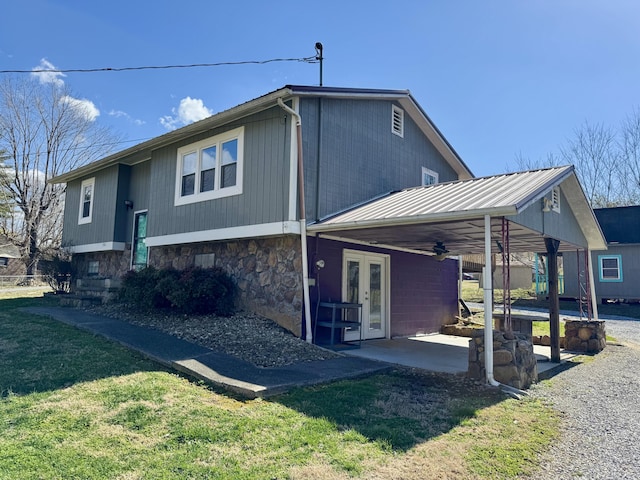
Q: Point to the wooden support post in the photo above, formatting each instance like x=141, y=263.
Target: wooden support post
x=554, y=299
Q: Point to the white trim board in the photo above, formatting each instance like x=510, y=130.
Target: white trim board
x=231, y=233
x=98, y=247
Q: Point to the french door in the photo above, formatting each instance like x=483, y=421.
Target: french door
x=365, y=281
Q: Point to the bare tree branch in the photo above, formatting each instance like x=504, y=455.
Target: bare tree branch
x=43, y=133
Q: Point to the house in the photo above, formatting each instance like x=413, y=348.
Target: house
x=312, y=196
x=12, y=269
x=616, y=269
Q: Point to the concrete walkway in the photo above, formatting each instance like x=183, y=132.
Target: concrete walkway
x=212, y=367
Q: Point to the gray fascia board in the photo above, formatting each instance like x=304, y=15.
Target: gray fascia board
x=422, y=119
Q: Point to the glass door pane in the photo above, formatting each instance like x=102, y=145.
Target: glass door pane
x=375, y=296
x=353, y=289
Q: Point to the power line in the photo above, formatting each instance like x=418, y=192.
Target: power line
x=313, y=59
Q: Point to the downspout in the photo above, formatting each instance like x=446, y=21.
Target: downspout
x=303, y=222
x=488, y=315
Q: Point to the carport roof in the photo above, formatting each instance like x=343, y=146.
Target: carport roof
x=453, y=213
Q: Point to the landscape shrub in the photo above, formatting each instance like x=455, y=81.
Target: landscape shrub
x=57, y=272
x=191, y=291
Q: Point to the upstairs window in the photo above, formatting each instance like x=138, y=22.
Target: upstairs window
x=610, y=268
x=429, y=177
x=86, y=201
x=211, y=168
x=397, y=121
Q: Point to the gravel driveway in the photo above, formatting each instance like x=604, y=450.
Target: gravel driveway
x=600, y=404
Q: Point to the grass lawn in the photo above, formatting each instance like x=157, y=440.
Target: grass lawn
x=75, y=406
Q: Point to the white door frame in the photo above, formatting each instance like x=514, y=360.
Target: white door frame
x=384, y=259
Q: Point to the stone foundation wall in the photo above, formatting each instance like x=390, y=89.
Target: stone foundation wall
x=110, y=264
x=268, y=272
x=514, y=362
x=585, y=336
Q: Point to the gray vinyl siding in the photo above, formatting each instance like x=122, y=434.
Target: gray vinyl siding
x=265, y=189
x=562, y=226
x=111, y=220
x=359, y=157
x=629, y=288
x=137, y=180
x=101, y=228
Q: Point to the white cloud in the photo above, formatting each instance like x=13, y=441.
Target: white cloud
x=190, y=110
x=121, y=114
x=46, y=76
x=83, y=107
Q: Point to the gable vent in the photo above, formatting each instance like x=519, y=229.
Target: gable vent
x=397, y=121
x=555, y=199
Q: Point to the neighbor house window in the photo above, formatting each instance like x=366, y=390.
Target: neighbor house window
x=4, y=261
x=610, y=268
x=86, y=201
x=397, y=121
x=429, y=177
x=210, y=168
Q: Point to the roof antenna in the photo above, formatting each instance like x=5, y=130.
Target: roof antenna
x=320, y=58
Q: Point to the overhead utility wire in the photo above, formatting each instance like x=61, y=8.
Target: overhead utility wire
x=313, y=59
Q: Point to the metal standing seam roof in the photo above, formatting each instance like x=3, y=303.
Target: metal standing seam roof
x=505, y=194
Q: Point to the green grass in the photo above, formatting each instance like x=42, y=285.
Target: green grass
x=75, y=406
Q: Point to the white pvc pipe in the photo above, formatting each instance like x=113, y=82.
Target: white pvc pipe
x=488, y=316
x=488, y=303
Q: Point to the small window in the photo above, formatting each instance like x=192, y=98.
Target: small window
x=610, y=268
x=4, y=261
x=86, y=201
x=211, y=168
x=205, y=260
x=397, y=121
x=429, y=177
x=94, y=268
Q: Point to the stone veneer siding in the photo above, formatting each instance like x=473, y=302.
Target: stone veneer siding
x=267, y=271
x=514, y=362
x=111, y=264
x=585, y=335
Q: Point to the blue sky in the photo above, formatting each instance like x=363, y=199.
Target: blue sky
x=498, y=78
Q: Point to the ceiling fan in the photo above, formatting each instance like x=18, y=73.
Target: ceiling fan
x=440, y=251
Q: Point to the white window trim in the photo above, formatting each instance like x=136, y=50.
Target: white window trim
x=197, y=196
x=90, y=181
x=430, y=172
x=400, y=113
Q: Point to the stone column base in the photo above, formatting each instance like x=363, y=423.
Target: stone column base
x=514, y=362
